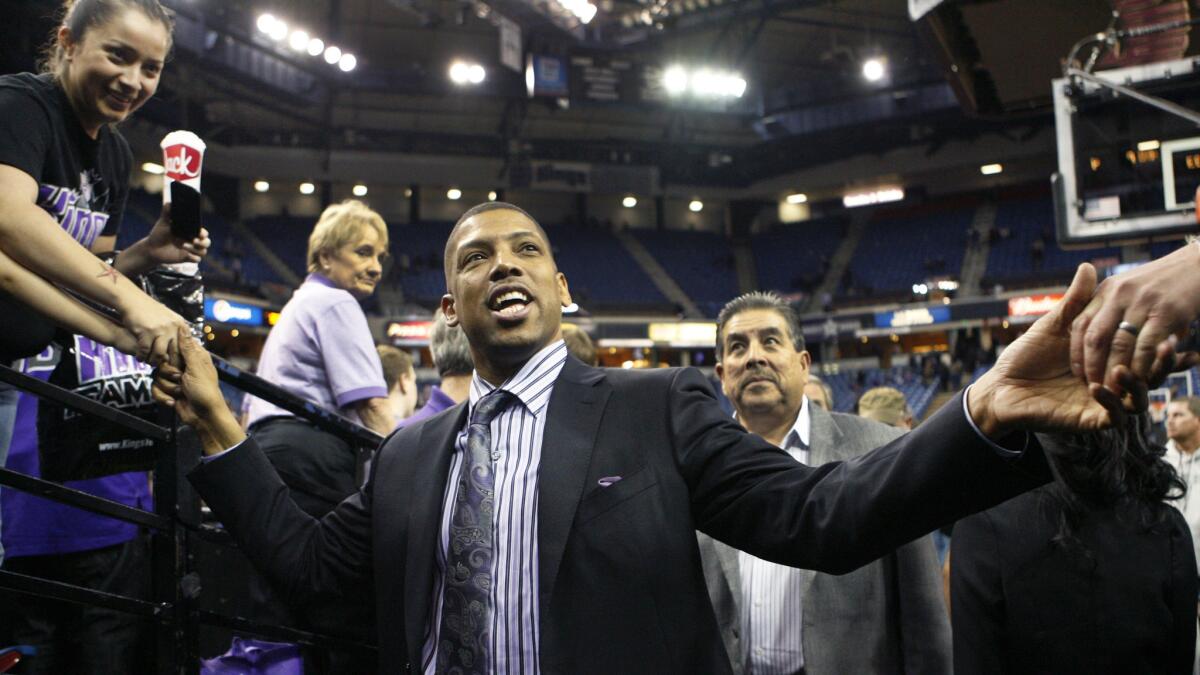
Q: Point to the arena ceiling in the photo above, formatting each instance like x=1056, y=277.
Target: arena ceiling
x=805, y=102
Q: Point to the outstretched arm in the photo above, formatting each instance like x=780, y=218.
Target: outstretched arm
x=61, y=308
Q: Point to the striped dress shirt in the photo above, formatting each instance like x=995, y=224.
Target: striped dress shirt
x=517, y=454
x=772, y=603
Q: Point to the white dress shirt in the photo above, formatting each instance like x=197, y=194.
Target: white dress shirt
x=772, y=603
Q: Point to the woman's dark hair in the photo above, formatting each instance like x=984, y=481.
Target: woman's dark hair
x=81, y=15
x=1105, y=468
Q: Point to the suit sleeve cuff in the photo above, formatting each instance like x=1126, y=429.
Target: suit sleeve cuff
x=1021, y=438
x=205, y=459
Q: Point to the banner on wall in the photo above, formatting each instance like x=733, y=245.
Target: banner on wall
x=572, y=176
x=919, y=316
x=410, y=333
x=227, y=311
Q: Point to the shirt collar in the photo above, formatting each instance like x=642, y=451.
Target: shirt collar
x=798, y=436
x=318, y=278
x=531, y=384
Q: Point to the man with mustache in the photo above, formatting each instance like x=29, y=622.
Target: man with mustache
x=548, y=523
x=885, y=617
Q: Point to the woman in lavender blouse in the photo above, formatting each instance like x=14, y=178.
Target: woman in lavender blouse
x=321, y=349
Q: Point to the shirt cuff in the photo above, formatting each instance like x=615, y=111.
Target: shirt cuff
x=205, y=459
x=354, y=395
x=996, y=447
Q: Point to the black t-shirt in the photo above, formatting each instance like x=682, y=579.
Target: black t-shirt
x=82, y=182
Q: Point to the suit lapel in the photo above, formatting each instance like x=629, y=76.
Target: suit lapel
x=574, y=412
x=824, y=446
x=426, y=481
x=728, y=556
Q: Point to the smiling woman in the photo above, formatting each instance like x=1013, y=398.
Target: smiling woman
x=64, y=176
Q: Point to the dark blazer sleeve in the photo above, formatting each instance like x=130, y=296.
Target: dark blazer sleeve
x=304, y=556
x=1183, y=595
x=842, y=515
x=976, y=597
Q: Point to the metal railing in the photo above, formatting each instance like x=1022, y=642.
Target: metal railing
x=174, y=524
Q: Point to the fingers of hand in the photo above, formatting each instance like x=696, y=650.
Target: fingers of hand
x=1077, y=297
x=1134, y=389
x=1111, y=403
x=1079, y=328
x=1099, y=339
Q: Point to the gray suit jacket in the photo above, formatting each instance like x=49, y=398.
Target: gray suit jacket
x=886, y=617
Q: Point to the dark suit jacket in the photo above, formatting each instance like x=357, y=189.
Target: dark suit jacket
x=1123, y=603
x=888, y=616
x=620, y=584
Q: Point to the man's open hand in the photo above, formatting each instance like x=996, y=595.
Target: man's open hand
x=1032, y=387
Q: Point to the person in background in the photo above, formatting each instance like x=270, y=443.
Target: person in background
x=1092, y=573
x=779, y=619
x=886, y=405
x=452, y=358
x=1183, y=439
x=819, y=393
x=579, y=344
x=401, y=380
x=321, y=350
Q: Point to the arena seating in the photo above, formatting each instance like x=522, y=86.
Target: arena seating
x=904, y=247
x=601, y=272
x=700, y=262
x=1019, y=223
x=792, y=258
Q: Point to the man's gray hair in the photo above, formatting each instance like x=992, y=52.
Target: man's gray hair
x=760, y=300
x=449, y=347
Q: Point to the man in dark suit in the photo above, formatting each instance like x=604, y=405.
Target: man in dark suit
x=595, y=568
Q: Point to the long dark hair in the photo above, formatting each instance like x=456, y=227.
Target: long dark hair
x=1106, y=468
x=80, y=15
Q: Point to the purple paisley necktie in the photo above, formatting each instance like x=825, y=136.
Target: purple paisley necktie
x=463, y=642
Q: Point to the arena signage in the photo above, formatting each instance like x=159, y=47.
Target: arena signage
x=1033, y=305
x=410, y=332
x=919, y=316
x=226, y=311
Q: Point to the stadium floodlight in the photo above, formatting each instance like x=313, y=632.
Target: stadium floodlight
x=454, y=194
x=991, y=169
x=463, y=73
x=332, y=54
x=492, y=196
x=307, y=188
x=261, y=186
x=347, y=63
x=359, y=190
x=629, y=202
x=279, y=30
x=797, y=198
x=675, y=80
x=153, y=168
x=696, y=206
x=265, y=23
x=298, y=40
x=1147, y=146
x=874, y=69
x=316, y=46
x=920, y=289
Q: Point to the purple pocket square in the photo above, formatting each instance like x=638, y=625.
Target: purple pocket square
x=608, y=480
